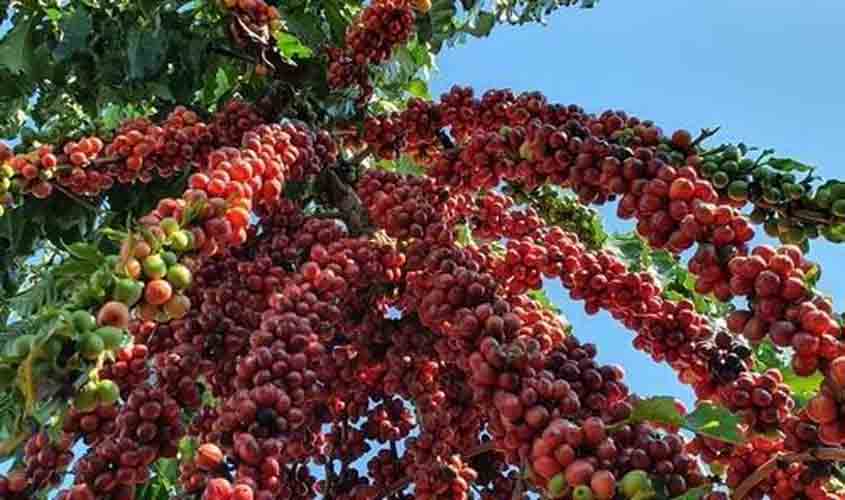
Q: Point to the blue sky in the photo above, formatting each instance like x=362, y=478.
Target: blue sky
x=769, y=72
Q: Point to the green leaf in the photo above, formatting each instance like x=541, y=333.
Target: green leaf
x=291, y=47
x=483, y=25
x=146, y=52
x=789, y=165
x=218, y=87
x=464, y=238
x=715, y=422
x=631, y=248
x=813, y=276
x=76, y=29
x=707, y=419
x=803, y=388
x=16, y=48
x=402, y=165
x=543, y=299
x=767, y=355
x=657, y=409
x=419, y=88
x=86, y=252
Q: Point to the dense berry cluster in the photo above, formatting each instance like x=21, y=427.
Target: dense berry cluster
x=381, y=26
x=503, y=137
x=295, y=340
x=139, y=151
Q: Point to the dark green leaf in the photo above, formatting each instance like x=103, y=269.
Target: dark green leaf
x=715, y=422
x=75, y=31
x=146, y=52
x=16, y=48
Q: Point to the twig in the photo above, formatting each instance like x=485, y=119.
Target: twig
x=75, y=198
x=766, y=470
x=705, y=134
x=233, y=53
x=106, y=160
x=802, y=214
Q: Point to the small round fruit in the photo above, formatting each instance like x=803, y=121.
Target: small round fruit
x=582, y=492
x=128, y=291
x=838, y=208
x=181, y=241
x=738, y=191
x=169, y=225
x=579, y=472
x=682, y=139
x=83, y=321
x=422, y=5
x=721, y=179
x=158, y=292
x=635, y=482
x=155, y=267
x=86, y=400
x=114, y=314
x=177, y=307
x=170, y=258
x=209, y=457
x=21, y=346
x=603, y=484
x=242, y=492
x=556, y=487
x=837, y=372
x=794, y=191
x=91, y=345
x=218, y=489
x=132, y=268
x=107, y=392
x=113, y=337
x=179, y=276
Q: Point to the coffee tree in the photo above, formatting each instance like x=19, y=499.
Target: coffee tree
x=247, y=257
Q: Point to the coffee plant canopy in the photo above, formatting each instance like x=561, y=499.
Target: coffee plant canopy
x=246, y=256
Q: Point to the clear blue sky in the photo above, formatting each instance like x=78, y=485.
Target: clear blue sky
x=769, y=72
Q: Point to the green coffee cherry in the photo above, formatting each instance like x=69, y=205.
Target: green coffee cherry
x=738, y=191
x=21, y=346
x=838, y=208
x=83, y=321
x=128, y=291
x=91, y=346
x=107, y=392
x=112, y=337
x=86, y=400
x=721, y=179
x=582, y=493
x=635, y=482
